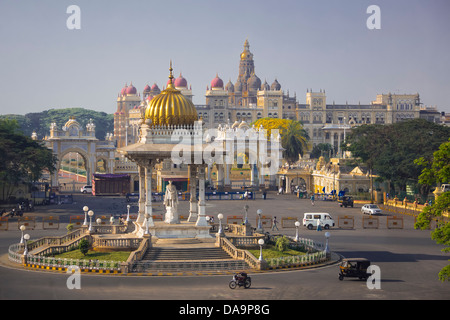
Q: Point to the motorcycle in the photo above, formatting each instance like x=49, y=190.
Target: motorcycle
x=240, y=279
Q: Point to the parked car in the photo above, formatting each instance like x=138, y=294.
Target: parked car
x=310, y=220
x=370, y=209
x=86, y=189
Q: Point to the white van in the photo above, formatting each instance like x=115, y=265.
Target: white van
x=310, y=220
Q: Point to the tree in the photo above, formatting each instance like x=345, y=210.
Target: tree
x=22, y=159
x=437, y=171
x=294, y=138
x=322, y=149
x=40, y=121
x=84, y=246
x=390, y=150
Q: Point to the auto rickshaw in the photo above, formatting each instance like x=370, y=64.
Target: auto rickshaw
x=347, y=201
x=354, y=268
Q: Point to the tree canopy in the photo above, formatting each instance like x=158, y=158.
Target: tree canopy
x=390, y=150
x=40, y=121
x=294, y=138
x=437, y=171
x=22, y=159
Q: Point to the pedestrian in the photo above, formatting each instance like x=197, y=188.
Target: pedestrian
x=319, y=226
x=264, y=195
x=312, y=199
x=274, y=223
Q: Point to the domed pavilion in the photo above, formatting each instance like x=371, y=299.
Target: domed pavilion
x=172, y=130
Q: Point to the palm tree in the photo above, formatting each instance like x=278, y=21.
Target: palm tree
x=294, y=139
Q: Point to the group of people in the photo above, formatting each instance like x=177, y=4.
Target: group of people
x=23, y=206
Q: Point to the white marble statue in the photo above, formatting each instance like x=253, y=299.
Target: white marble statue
x=171, y=203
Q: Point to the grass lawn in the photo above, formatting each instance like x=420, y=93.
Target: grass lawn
x=270, y=252
x=95, y=255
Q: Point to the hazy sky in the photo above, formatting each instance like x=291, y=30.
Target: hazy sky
x=320, y=44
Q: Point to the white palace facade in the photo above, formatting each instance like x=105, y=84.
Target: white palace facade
x=248, y=99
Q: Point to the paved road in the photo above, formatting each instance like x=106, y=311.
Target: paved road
x=408, y=259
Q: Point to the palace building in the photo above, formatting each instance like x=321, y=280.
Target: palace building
x=249, y=99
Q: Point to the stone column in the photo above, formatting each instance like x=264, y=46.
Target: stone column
x=201, y=219
x=227, y=174
x=141, y=213
x=220, y=174
x=193, y=205
x=148, y=194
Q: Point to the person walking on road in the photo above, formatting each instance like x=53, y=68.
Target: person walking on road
x=274, y=223
x=312, y=199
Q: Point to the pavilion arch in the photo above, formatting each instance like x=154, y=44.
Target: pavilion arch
x=72, y=137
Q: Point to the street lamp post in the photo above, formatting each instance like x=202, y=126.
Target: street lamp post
x=260, y=227
x=90, y=214
x=327, y=249
x=22, y=229
x=261, y=243
x=220, y=217
x=128, y=214
x=26, y=238
x=297, y=238
x=246, y=212
x=85, y=209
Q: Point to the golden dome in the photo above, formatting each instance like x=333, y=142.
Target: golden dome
x=246, y=54
x=170, y=107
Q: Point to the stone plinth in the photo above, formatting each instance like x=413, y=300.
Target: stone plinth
x=184, y=229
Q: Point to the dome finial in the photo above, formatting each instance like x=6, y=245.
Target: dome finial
x=170, y=75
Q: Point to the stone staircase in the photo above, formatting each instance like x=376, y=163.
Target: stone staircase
x=181, y=255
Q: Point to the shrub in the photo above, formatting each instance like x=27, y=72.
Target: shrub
x=282, y=243
x=84, y=246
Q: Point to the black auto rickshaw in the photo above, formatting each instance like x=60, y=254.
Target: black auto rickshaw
x=347, y=201
x=354, y=268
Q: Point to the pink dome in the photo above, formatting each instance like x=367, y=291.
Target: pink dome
x=217, y=82
x=181, y=82
x=147, y=88
x=124, y=90
x=155, y=87
x=131, y=89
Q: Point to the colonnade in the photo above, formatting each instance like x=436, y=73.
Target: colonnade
x=197, y=207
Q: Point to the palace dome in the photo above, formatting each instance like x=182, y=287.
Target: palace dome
x=217, y=83
x=180, y=82
x=229, y=87
x=170, y=107
x=254, y=82
x=124, y=90
x=275, y=85
x=131, y=89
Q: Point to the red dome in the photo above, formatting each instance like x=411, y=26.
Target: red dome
x=217, y=82
x=147, y=88
x=124, y=90
x=131, y=89
x=181, y=82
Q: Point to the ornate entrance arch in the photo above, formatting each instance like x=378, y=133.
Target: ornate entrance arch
x=72, y=137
